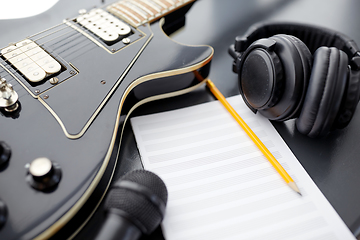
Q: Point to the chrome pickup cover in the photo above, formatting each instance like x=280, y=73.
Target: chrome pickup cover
x=31, y=60
x=103, y=24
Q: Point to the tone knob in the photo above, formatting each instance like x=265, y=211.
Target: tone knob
x=5, y=154
x=3, y=213
x=43, y=174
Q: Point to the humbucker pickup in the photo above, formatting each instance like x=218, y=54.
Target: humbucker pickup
x=31, y=60
x=104, y=25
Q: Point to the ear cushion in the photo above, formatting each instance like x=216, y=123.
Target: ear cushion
x=325, y=91
x=350, y=100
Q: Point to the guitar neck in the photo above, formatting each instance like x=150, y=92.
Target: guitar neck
x=138, y=12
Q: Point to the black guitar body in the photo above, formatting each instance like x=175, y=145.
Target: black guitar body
x=77, y=122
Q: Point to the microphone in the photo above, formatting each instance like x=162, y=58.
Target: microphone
x=135, y=205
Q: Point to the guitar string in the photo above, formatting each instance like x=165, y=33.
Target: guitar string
x=79, y=46
x=51, y=33
x=67, y=26
x=82, y=43
x=9, y=65
x=68, y=39
x=13, y=71
x=76, y=32
x=71, y=20
x=89, y=23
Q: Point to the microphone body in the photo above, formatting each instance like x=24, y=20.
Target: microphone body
x=117, y=227
x=135, y=205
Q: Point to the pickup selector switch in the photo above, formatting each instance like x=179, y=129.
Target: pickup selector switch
x=5, y=154
x=8, y=96
x=43, y=174
x=3, y=213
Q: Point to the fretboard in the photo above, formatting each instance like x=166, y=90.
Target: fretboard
x=138, y=12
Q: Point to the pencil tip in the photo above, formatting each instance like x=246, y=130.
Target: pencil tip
x=294, y=187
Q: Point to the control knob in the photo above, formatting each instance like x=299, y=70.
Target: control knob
x=43, y=174
x=5, y=153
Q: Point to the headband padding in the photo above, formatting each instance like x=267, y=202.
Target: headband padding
x=313, y=36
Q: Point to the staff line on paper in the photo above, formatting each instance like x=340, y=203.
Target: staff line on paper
x=185, y=119
x=225, y=169
x=200, y=138
x=200, y=162
x=183, y=152
x=298, y=227
x=191, y=129
x=191, y=139
x=223, y=183
x=293, y=230
x=217, y=199
x=271, y=215
x=242, y=208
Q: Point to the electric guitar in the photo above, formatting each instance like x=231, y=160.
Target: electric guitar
x=64, y=95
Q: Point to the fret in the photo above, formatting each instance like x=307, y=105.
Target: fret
x=143, y=8
x=175, y=2
x=129, y=14
x=145, y=14
x=120, y=14
x=138, y=12
x=179, y=2
x=166, y=3
x=158, y=2
x=149, y=8
x=151, y=5
x=170, y=2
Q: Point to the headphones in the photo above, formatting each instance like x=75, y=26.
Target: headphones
x=292, y=70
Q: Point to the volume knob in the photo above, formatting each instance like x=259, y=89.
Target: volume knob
x=43, y=174
x=5, y=154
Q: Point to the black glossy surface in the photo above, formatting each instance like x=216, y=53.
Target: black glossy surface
x=333, y=162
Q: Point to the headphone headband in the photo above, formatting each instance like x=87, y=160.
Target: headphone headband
x=292, y=70
x=313, y=37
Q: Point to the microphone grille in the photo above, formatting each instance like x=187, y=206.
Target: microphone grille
x=149, y=180
x=137, y=204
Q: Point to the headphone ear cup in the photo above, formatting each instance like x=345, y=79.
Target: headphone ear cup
x=295, y=60
x=326, y=88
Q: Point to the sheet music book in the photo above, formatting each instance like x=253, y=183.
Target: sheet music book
x=222, y=187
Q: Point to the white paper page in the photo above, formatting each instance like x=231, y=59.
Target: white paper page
x=222, y=187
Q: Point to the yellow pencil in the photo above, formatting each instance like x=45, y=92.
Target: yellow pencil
x=253, y=137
